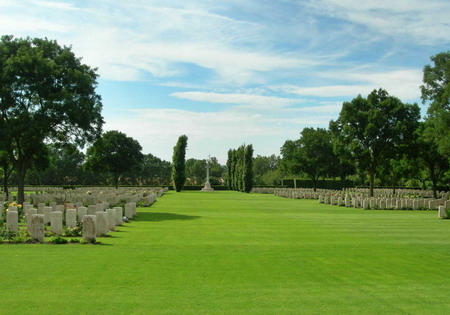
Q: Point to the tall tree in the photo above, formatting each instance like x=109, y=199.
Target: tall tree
x=178, y=163
x=436, y=89
x=7, y=168
x=435, y=163
x=311, y=154
x=248, y=169
x=114, y=153
x=229, y=169
x=46, y=94
x=372, y=129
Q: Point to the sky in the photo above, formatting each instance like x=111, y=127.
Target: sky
x=231, y=72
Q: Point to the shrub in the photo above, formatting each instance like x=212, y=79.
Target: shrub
x=57, y=240
x=75, y=231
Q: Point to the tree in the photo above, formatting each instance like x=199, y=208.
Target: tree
x=7, y=168
x=229, y=169
x=247, y=177
x=114, y=153
x=262, y=165
x=311, y=154
x=432, y=160
x=436, y=89
x=371, y=129
x=178, y=163
x=46, y=94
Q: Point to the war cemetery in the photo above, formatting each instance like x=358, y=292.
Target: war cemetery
x=178, y=168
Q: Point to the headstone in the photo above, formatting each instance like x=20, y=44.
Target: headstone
x=133, y=208
x=366, y=204
x=89, y=228
x=91, y=209
x=41, y=208
x=28, y=216
x=111, y=213
x=59, y=208
x=119, y=215
x=12, y=221
x=82, y=211
x=37, y=228
x=102, y=223
x=71, y=218
x=128, y=211
x=442, y=214
x=47, y=214
x=56, y=222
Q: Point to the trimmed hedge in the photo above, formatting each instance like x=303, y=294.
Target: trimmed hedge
x=323, y=184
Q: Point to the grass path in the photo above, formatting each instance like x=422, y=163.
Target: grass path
x=233, y=253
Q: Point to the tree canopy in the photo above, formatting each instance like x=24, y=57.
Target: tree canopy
x=436, y=89
x=46, y=94
x=179, y=163
x=114, y=153
x=372, y=129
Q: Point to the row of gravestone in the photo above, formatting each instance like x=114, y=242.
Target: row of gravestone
x=92, y=195
x=98, y=217
x=359, y=192
x=360, y=201
x=106, y=219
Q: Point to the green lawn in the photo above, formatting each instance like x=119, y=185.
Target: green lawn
x=234, y=253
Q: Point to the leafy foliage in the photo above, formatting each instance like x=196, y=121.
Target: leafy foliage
x=178, y=163
x=114, y=153
x=46, y=94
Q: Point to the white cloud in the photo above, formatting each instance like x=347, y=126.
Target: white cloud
x=257, y=101
x=65, y=6
x=209, y=132
x=401, y=83
x=425, y=22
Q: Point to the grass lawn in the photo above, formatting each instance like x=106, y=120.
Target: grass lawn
x=234, y=253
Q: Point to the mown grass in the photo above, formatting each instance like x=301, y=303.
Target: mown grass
x=233, y=253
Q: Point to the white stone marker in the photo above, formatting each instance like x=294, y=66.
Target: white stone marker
x=41, y=208
x=71, y=218
x=128, y=211
x=133, y=208
x=91, y=209
x=47, y=214
x=82, y=211
x=111, y=213
x=442, y=214
x=102, y=223
x=37, y=229
x=12, y=221
x=59, y=208
x=119, y=215
x=366, y=204
x=28, y=216
x=89, y=228
x=56, y=222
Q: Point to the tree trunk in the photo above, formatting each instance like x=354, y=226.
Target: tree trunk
x=5, y=184
x=116, y=181
x=371, y=182
x=314, y=183
x=21, y=171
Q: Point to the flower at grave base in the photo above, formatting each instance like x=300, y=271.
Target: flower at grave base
x=19, y=206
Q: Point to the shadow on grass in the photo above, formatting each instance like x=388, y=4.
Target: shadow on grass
x=161, y=216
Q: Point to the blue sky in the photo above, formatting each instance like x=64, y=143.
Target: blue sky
x=232, y=72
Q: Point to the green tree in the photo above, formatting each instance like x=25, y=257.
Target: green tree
x=7, y=169
x=436, y=89
x=435, y=163
x=311, y=154
x=229, y=169
x=247, y=184
x=46, y=94
x=262, y=165
x=114, y=153
x=178, y=163
x=371, y=129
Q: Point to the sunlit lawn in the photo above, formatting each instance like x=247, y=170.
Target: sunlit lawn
x=234, y=253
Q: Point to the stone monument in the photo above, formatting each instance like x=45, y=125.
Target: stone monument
x=207, y=184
